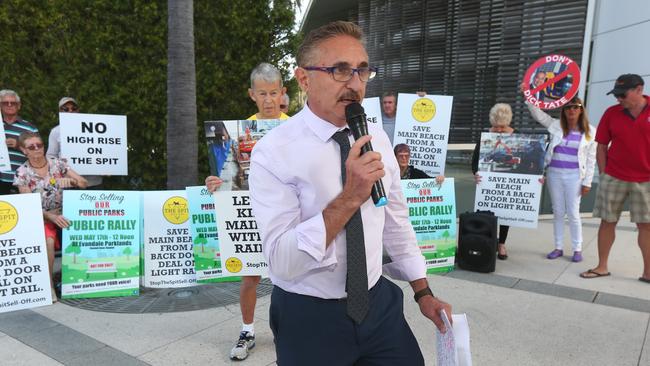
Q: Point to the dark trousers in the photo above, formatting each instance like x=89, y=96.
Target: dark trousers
x=503, y=233
x=314, y=331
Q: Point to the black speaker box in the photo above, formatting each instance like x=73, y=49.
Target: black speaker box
x=477, y=241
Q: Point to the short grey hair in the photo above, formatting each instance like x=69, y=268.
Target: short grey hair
x=9, y=92
x=267, y=72
x=389, y=93
x=285, y=98
x=323, y=33
x=500, y=115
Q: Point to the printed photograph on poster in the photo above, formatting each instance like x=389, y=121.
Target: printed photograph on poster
x=432, y=211
x=514, y=198
x=239, y=238
x=94, y=144
x=24, y=270
x=230, y=144
x=372, y=108
x=551, y=81
x=168, y=248
x=512, y=153
x=422, y=123
x=100, y=255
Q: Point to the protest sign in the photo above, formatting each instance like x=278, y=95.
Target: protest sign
x=551, y=81
x=203, y=228
x=372, y=108
x=101, y=247
x=94, y=144
x=510, y=166
x=24, y=272
x=422, y=123
x=239, y=237
x=5, y=163
x=168, y=252
x=432, y=211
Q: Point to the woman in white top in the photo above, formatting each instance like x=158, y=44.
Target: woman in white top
x=570, y=161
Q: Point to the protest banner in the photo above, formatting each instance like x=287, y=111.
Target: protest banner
x=422, y=123
x=372, y=108
x=94, y=144
x=101, y=247
x=551, y=81
x=432, y=211
x=510, y=166
x=240, y=241
x=168, y=252
x=239, y=238
x=5, y=163
x=203, y=228
x=24, y=271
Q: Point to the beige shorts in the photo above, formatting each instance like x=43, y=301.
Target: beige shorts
x=612, y=194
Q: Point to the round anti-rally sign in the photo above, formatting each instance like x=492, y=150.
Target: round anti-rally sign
x=551, y=81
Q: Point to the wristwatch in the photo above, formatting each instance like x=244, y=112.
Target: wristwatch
x=424, y=292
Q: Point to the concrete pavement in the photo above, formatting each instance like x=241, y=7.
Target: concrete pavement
x=531, y=311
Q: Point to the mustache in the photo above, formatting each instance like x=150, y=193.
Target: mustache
x=350, y=95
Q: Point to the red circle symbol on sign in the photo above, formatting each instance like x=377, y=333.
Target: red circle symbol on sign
x=551, y=81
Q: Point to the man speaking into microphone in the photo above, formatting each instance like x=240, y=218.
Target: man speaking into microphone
x=322, y=233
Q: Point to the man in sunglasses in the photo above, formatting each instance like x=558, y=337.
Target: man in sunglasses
x=14, y=125
x=68, y=105
x=322, y=235
x=623, y=157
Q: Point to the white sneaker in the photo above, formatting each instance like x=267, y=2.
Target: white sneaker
x=245, y=342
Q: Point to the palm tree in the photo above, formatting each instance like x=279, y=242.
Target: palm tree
x=182, y=141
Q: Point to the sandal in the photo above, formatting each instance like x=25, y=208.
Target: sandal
x=646, y=280
x=593, y=274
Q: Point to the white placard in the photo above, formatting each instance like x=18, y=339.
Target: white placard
x=168, y=248
x=422, y=123
x=24, y=272
x=514, y=198
x=94, y=144
x=239, y=237
x=372, y=107
x=5, y=163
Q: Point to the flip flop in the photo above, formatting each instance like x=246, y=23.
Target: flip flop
x=593, y=274
x=646, y=280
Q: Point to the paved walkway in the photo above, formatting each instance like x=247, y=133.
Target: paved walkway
x=531, y=311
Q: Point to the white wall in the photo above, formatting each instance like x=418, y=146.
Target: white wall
x=619, y=46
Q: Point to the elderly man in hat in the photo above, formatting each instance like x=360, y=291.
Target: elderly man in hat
x=68, y=105
x=623, y=157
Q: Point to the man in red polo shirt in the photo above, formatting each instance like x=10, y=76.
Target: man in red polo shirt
x=623, y=157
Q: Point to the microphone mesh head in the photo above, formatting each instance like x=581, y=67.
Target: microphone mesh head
x=353, y=110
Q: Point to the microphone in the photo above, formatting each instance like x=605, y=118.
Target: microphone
x=356, y=118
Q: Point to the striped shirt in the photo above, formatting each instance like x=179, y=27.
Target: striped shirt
x=17, y=158
x=565, y=154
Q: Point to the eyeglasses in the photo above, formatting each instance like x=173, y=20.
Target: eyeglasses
x=9, y=104
x=71, y=109
x=345, y=73
x=36, y=146
x=573, y=106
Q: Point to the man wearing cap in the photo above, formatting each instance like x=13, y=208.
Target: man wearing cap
x=68, y=105
x=14, y=125
x=624, y=170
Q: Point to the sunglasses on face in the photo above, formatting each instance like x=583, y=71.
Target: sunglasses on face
x=71, y=109
x=9, y=104
x=36, y=146
x=620, y=95
x=573, y=107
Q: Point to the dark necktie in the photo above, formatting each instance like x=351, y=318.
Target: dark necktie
x=357, y=274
